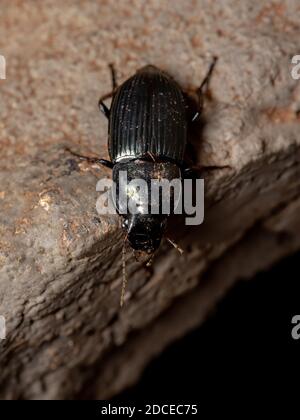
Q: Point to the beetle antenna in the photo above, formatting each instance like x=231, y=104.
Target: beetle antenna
x=124, y=274
x=180, y=250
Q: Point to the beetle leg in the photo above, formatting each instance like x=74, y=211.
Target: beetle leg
x=189, y=170
x=206, y=79
x=92, y=160
x=104, y=162
x=103, y=108
x=113, y=76
x=204, y=85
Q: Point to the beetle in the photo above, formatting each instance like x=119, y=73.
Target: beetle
x=147, y=136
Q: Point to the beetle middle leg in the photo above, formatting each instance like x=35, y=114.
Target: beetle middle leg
x=103, y=108
x=92, y=160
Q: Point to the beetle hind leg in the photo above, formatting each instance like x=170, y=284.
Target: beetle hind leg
x=113, y=76
x=103, y=108
x=208, y=75
x=203, y=88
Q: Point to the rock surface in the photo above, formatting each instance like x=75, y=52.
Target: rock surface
x=60, y=262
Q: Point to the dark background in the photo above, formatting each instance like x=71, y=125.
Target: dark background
x=244, y=352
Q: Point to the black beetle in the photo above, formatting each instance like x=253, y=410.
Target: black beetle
x=147, y=135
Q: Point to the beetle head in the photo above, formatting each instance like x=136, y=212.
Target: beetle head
x=144, y=231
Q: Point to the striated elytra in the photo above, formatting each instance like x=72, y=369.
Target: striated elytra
x=147, y=116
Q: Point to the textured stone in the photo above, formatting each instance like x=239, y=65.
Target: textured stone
x=60, y=262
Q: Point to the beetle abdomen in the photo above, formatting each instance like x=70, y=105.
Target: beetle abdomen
x=148, y=115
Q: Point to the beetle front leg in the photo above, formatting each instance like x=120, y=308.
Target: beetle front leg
x=189, y=171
